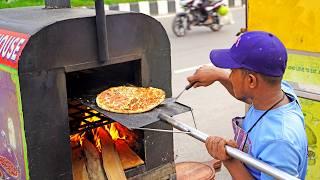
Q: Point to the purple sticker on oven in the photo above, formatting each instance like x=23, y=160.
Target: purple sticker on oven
x=12, y=163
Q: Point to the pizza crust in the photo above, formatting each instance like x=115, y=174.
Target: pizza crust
x=129, y=100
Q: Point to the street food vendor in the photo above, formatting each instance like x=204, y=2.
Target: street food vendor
x=273, y=129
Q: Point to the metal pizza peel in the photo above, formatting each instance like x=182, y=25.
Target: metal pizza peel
x=174, y=99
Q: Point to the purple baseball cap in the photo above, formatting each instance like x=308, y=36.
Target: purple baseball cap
x=258, y=51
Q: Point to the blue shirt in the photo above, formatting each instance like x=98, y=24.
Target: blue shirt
x=279, y=138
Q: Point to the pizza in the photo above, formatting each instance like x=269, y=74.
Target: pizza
x=128, y=99
x=8, y=166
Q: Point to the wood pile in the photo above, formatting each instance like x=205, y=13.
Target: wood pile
x=115, y=157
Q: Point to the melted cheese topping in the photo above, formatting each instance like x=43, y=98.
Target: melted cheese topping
x=124, y=99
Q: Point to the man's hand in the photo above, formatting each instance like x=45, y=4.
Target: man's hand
x=216, y=147
x=206, y=75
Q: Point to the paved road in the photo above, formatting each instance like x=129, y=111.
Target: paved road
x=213, y=106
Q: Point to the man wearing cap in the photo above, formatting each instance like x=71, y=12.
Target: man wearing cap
x=273, y=128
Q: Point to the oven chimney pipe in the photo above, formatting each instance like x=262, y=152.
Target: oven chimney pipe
x=101, y=31
x=57, y=4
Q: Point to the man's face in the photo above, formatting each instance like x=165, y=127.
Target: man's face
x=237, y=78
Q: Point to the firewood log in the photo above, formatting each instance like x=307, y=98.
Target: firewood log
x=128, y=157
x=93, y=163
x=110, y=157
x=79, y=169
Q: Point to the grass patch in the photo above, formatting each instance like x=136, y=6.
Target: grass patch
x=74, y=3
x=20, y=3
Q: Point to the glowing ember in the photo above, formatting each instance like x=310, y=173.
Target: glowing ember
x=115, y=130
x=91, y=119
x=77, y=138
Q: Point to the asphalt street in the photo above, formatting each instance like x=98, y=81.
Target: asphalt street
x=213, y=106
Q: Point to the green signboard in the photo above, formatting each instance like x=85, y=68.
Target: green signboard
x=312, y=119
x=303, y=69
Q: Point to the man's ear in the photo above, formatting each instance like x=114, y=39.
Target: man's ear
x=252, y=81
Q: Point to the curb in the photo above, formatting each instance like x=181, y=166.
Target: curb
x=161, y=7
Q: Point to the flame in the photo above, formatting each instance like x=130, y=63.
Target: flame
x=77, y=138
x=91, y=119
x=94, y=111
x=96, y=138
x=116, y=131
x=120, y=135
x=113, y=131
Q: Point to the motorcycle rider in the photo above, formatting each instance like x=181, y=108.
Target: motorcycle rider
x=202, y=4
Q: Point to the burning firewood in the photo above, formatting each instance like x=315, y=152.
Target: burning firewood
x=78, y=165
x=93, y=163
x=128, y=157
x=110, y=157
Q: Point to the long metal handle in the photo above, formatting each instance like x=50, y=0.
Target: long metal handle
x=233, y=152
x=161, y=130
x=190, y=85
x=185, y=89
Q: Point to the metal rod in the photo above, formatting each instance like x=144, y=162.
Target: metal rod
x=233, y=152
x=161, y=130
x=185, y=89
x=87, y=127
x=101, y=31
x=180, y=94
x=193, y=118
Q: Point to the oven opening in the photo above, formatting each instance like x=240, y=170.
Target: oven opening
x=95, y=138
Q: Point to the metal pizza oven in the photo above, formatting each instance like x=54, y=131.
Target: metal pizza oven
x=60, y=61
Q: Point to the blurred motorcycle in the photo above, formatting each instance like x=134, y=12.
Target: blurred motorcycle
x=193, y=16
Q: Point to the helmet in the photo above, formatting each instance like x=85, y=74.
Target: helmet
x=223, y=10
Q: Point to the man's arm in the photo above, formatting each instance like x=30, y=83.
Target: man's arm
x=206, y=75
x=216, y=148
x=237, y=170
